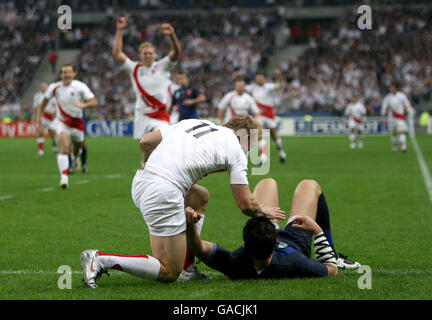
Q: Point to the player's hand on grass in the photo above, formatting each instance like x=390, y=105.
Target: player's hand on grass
x=122, y=22
x=274, y=213
x=306, y=223
x=166, y=28
x=192, y=216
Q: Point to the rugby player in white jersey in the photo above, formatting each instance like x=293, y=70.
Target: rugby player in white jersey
x=47, y=120
x=264, y=94
x=150, y=79
x=237, y=102
x=173, y=109
x=355, y=113
x=398, y=106
x=71, y=97
x=180, y=155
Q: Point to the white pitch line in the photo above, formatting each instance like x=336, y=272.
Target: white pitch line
x=5, y=197
x=82, y=182
x=424, y=169
x=46, y=189
x=395, y=272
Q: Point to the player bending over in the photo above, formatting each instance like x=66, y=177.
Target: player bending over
x=178, y=157
x=269, y=252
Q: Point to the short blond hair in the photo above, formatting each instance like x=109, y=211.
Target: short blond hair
x=146, y=45
x=245, y=122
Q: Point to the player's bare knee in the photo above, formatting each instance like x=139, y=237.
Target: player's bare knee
x=310, y=183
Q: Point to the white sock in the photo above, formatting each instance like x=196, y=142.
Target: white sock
x=63, y=163
x=394, y=141
x=142, y=266
x=262, y=146
x=200, y=223
x=402, y=140
x=352, y=137
x=279, y=143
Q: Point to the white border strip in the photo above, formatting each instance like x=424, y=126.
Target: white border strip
x=423, y=167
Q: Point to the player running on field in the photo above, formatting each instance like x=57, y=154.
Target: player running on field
x=48, y=117
x=150, y=79
x=398, y=106
x=237, y=102
x=355, y=113
x=264, y=94
x=71, y=97
x=180, y=155
x=269, y=252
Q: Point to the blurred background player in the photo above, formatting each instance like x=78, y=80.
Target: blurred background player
x=398, y=106
x=48, y=117
x=355, y=113
x=173, y=109
x=150, y=79
x=71, y=97
x=187, y=98
x=237, y=102
x=264, y=94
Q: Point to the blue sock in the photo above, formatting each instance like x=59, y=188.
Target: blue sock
x=323, y=220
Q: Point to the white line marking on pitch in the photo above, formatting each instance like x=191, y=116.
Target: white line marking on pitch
x=82, y=182
x=5, y=197
x=423, y=167
x=46, y=189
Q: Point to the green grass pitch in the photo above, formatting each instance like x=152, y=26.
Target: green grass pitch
x=380, y=213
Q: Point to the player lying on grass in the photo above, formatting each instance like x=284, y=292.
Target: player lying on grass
x=180, y=155
x=269, y=252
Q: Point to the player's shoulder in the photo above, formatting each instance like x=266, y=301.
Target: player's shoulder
x=78, y=84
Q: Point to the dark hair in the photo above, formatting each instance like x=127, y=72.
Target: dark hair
x=260, y=237
x=68, y=65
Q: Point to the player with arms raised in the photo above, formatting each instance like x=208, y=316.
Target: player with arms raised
x=264, y=94
x=71, y=97
x=356, y=115
x=397, y=103
x=150, y=79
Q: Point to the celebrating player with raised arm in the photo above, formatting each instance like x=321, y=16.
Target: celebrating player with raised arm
x=179, y=156
x=264, y=94
x=71, y=97
x=150, y=79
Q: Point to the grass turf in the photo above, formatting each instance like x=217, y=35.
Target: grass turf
x=380, y=215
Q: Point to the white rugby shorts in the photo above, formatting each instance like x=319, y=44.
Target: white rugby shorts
x=161, y=204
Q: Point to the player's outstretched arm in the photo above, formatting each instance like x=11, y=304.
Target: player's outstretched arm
x=250, y=207
x=198, y=247
x=117, y=50
x=87, y=104
x=168, y=29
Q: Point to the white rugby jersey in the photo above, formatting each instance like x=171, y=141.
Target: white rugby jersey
x=355, y=111
x=151, y=86
x=192, y=149
x=66, y=97
x=236, y=104
x=37, y=99
x=172, y=87
x=264, y=96
x=397, y=104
